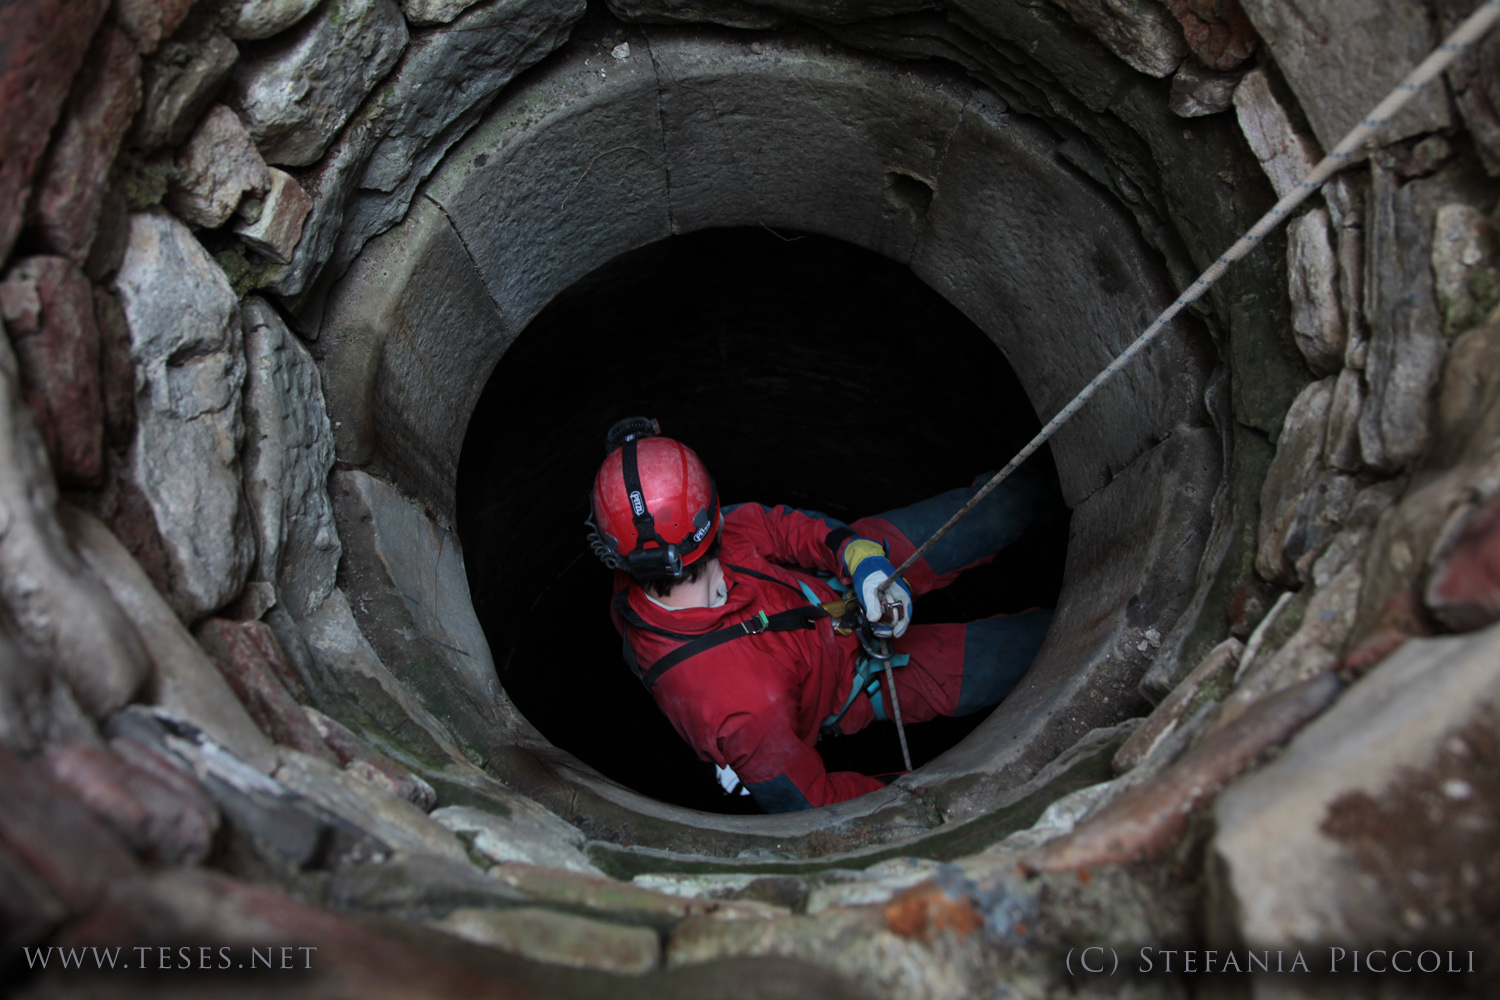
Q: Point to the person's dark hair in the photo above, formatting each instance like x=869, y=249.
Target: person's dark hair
x=690, y=573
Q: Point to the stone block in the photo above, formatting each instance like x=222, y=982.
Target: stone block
x=277, y=228
x=1462, y=468
x=1313, y=281
x=188, y=349
x=413, y=602
x=1341, y=445
x=1405, y=357
x=73, y=854
x=37, y=708
x=1463, y=591
x=1316, y=646
x=559, y=938
x=1217, y=31
x=217, y=167
x=417, y=887
x=1291, y=479
x=427, y=12
x=295, y=92
x=148, y=22
x=391, y=820
x=1198, y=90
x=1341, y=57
x=252, y=663
x=257, y=19
x=183, y=679
x=529, y=836
x=1465, y=266
x=1345, y=196
x=1347, y=547
x=48, y=307
x=390, y=337
x=58, y=606
x=25, y=696
x=369, y=765
x=359, y=688
x=1362, y=829
x=288, y=455
x=271, y=830
x=179, y=84
x=444, y=82
x=1150, y=818
x=1206, y=682
x=45, y=45
x=1284, y=154
x=69, y=195
x=166, y=822
x=619, y=900
x=1141, y=32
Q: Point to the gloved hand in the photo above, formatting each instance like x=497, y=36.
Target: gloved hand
x=868, y=569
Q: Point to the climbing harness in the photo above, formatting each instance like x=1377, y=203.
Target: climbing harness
x=1472, y=29
x=848, y=617
x=783, y=621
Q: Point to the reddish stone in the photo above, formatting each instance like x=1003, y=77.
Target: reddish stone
x=166, y=822
x=48, y=307
x=1217, y=31
x=250, y=659
x=1464, y=592
x=116, y=369
x=150, y=21
x=56, y=838
x=70, y=189
x=1151, y=817
x=1402, y=618
x=925, y=910
x=359, y=758
x=130, y=518
x=42, y=43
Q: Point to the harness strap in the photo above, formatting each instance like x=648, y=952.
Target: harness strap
x=783, y=621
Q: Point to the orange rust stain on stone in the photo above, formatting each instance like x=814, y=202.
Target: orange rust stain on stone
x=925, y=910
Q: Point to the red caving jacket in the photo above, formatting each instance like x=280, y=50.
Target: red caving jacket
x=756, y=702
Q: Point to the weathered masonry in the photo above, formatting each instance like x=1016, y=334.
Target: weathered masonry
x=262, y=257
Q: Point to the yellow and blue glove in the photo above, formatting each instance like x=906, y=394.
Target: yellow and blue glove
x=869, y=568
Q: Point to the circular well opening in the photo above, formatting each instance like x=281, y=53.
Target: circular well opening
x=804, y=371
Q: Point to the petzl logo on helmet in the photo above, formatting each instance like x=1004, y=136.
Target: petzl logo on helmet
x=698, y=535
x=636, y=503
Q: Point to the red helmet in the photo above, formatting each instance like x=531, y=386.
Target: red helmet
x=655, y=508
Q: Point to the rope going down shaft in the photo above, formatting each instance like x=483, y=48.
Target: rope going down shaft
x=1464, y=37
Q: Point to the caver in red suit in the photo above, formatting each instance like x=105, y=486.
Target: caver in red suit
x=755, y=698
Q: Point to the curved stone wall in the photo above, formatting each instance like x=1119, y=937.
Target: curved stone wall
x=259, y=259
x=565, y=174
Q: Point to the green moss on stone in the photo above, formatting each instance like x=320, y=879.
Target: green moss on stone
x=245, y=275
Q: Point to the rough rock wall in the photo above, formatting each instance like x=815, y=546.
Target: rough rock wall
x=201, y=735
